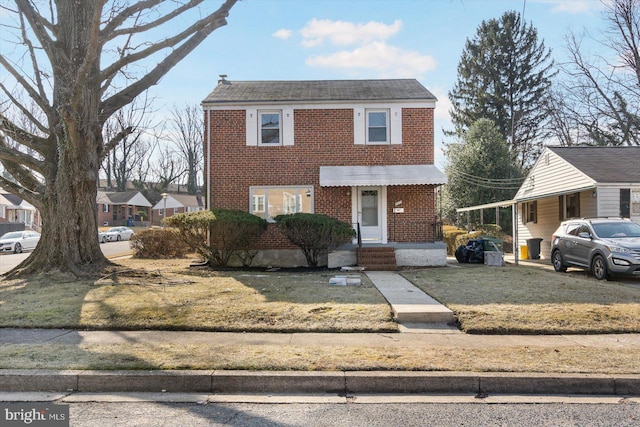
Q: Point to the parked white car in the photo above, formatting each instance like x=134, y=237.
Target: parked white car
x=115, y=234
x=18, y=241
x=102, y=237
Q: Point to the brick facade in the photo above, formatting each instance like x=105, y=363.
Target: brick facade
x=322, y=126
x=322, y=137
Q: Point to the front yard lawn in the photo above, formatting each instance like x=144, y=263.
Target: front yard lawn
x=532, y=300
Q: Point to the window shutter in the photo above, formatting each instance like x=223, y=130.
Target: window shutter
x=252, y=127
x=287, y=126
x=358, y=126
x=396, y=125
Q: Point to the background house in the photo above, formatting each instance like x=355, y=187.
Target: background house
x=123, y=208
x=358, y=150
x=18, y=214
x=175, y=204
x=569, y=182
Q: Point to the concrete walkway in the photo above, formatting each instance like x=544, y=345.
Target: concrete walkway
x=410, y=305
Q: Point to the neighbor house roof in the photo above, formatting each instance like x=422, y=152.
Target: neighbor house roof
x=604, y=164
x=122, y=198
x=318, y=91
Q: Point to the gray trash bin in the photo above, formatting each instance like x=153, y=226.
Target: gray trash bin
x=534, y=247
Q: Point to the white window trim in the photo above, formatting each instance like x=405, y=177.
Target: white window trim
x=279, y=113
x=387, y=114
x=301, y=190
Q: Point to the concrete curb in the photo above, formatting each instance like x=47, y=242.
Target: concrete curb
x=336, y=382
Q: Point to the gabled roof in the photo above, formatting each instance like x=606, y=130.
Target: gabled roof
x=13, y=199
x=318, y=91
x=122, y=198
x=604, y=164
x=180, y=201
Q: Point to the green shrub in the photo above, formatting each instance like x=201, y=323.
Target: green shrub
x=232, y=232
x=158, y=244
x=315, y=234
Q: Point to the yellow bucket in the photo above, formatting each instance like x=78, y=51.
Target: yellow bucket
x=524, y=252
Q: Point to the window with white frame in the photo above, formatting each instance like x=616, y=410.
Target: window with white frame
x=257, y=203
x=269, y=202
x=377, y=126
x=270, y=127
x=105, y=208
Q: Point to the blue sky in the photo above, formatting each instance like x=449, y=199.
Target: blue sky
x=361, y=39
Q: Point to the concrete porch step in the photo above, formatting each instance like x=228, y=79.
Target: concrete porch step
x=408, y=303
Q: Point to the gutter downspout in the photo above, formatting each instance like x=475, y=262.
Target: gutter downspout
x=208, y=161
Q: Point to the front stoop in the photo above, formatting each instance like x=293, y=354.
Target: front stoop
x=378, y=258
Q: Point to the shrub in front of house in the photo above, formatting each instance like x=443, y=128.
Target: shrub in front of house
x=315, y=234
x=158, y=244
x=232, y=232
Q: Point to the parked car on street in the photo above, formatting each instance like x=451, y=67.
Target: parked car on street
x=18, y=241
x=605, y=246
x=115, y=234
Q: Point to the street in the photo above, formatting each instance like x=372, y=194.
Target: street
x=530, y=413
x=9, y=260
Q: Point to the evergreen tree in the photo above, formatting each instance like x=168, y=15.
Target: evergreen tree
x=479, y=170
x=504, y=75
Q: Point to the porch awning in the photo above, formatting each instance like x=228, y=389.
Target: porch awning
x=358, y=176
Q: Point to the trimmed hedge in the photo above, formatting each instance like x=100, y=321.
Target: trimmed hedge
x=315, y=234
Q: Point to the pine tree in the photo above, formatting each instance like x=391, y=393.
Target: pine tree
x=504, y=75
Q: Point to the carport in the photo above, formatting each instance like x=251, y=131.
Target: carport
x=497, y=206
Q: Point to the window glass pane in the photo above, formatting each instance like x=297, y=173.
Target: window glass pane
x=370, y=208
x=270, y=125
x=269, y=202
x=377, y=135
x=378, y=118
x=377, y=126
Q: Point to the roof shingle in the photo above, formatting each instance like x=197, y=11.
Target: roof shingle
x=604, y=164
x=318, y=91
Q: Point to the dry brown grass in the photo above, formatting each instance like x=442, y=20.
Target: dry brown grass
x=321, y=358
x=169, y=295
x=531, y=300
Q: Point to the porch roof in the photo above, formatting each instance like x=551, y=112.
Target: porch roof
x=347, y=176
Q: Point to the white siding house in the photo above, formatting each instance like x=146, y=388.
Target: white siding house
x=567, y=182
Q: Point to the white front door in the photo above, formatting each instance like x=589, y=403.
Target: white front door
x=370, y=213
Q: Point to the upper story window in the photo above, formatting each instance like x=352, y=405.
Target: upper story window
x=377, y=127
x=270, y=127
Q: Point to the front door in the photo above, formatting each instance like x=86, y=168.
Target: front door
x=370, y=214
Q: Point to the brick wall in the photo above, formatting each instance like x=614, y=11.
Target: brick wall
x=323, y=137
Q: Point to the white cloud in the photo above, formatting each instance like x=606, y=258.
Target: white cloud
x=572, y=6
x=388, y=61
x=342, y=33
x=283, y=34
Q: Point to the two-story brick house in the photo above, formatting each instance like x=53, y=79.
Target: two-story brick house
x=361, y=151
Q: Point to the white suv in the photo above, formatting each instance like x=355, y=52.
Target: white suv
x=605, y=246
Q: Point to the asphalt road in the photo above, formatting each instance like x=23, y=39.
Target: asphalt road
x=9, y=261
x=94, y=414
